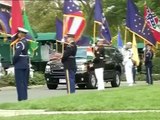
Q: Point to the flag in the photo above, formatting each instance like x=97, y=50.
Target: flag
x=101, y=20
x=119, y=40
x=83, y=41
x=27, y=26
x=5, y=22
x=135, y=56
x=33, y=45
x=59, y=29
x=17, y=18
x=74, y=21
x=98, y=12
x=136, y=24
x=152, y=22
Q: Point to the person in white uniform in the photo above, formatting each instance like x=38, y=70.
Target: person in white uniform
x=127, y=62
x=98, y=61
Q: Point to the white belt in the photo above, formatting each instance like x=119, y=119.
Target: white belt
x=23, y=55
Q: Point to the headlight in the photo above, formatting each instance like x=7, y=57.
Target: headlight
x=82, y=67
x=91, y=65
x=47, y=69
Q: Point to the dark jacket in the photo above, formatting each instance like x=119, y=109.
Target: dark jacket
x=148, y=58
x=68, y=58
x=99, y=57
x=21, y=58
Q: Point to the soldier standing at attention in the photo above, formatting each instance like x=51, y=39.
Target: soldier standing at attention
x=21, y=64
x=148, y=63
x=99, y=63
x=69, y=62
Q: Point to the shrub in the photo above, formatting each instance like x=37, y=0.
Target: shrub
x=9, y=80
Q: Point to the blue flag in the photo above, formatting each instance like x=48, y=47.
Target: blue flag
x=136, y=23
x=119, y=40
x=59, y=29
x=5, y=19
x=98, y=11
x=83, y=41
x=100, y=18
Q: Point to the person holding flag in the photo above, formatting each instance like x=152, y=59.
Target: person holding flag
x=98, y=61
x=21, y=64
x=128, y=64
x=148, y=63
x=69, y=62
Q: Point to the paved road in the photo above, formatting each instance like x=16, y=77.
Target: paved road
x=8, y=94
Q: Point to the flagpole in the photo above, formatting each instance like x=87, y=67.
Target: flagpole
x=125, y=36
x=94, y=33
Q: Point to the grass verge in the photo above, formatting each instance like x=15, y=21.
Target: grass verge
x=120, y=116
x=124, y=98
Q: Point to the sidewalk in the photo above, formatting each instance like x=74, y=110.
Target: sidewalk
x=9, y=113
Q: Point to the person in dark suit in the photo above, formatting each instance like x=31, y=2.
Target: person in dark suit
x=21, y=64
x=148, y=63
x=69, y=62
x=98, y=61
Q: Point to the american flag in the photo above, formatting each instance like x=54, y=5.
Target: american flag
x=135, y=23
x=152, y=21
x=74, y=21
x=99, y=17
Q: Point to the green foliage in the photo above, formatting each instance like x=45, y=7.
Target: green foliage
x=156, y=65
x=9, y=80
x=38, y=79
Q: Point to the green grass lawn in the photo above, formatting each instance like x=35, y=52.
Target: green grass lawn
x=120, y=116
x=142, y=97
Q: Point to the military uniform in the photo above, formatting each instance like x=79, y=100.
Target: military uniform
x=148, y=64
x=99, y=66
x=21, y=66
x=69, y=62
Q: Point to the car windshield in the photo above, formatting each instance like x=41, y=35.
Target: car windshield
x=81, y=52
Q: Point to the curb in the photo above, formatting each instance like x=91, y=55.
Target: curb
x=9, y=113
x=13, y=87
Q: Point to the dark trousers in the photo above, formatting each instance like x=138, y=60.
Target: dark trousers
x=70, y=80
x=134, y=74
x=21, y=78
x=149, y=79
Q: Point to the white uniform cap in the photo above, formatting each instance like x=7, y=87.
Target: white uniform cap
x=100, y=39
x=129, y=43
x=22, y=30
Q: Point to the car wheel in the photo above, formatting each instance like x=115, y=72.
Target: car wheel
x=52, y=86
x=81, y=86
x=92, y=81
x=116, y=80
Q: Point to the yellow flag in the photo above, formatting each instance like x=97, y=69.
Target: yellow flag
x=135, y=56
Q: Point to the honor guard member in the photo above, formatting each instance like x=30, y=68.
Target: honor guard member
x=148, y=63
x=127, y=62
x=21, y=64
x=98, y=61
x=69, y=62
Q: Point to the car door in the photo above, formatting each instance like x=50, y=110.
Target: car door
x=109, y=63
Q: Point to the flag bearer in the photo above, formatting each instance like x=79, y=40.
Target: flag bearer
x=148, y=63
x=98, y=61
x=69, y=62
x=127, y=62
x=21, y=64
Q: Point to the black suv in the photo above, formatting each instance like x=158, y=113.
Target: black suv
x=85, y=77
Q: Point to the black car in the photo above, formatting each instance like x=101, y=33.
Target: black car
x=85, y=76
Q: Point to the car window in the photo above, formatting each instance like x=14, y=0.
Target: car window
x=81, y=53
x=109, y=51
